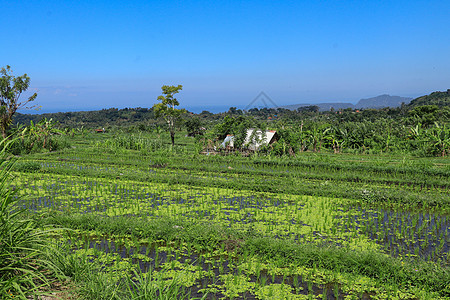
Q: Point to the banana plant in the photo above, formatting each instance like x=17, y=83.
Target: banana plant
x=316, y=135
x=40, y=131
x=416, y=132
x=439, y=137
x=335, y=136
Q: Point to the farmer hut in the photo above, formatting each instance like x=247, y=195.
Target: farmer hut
x=256, y=138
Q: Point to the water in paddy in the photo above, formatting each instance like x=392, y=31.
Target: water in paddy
x=149, y=257
x=64, y=195
x=413, y=234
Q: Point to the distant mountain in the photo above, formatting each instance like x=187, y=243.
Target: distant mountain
x=375, y=102
x=382, y=101
x=440, y=99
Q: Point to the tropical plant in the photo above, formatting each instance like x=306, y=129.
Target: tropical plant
x=439, y=137
x=316, y=135
x=334, y=135
x=36, y=137
x=43, y=130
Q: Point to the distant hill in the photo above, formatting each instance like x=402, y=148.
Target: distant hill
x=440, y=99
x=382, y=101
x=95, y=118
x=335, y=106
x=294, y=106
x=375, y=102
x=322, y=106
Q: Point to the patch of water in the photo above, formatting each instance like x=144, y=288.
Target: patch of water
x=418, y=234
x=148, y=257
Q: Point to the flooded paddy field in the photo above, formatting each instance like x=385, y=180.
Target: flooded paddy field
x=311, y=227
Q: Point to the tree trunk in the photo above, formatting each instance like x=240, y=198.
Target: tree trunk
x=172, y=136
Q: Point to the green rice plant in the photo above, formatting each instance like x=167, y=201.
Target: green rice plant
x=100, y=285
x=324, y=293
x=336, y=291
x=143, y=286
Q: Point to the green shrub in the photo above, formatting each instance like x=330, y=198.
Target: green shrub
x=31, y=144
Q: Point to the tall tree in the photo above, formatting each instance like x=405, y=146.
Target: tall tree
x=167, y=109
x=11, y=88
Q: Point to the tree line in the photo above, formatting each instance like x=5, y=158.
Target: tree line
x=421, y=127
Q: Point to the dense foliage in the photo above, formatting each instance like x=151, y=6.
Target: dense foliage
x=441, y=99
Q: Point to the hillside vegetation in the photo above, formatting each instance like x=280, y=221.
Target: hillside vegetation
x=441, y=99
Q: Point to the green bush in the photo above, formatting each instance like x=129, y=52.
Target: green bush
x=31, y=144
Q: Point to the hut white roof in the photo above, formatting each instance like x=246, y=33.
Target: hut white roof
x=255, y=139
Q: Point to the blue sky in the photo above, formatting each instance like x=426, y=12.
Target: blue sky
x=84, y=55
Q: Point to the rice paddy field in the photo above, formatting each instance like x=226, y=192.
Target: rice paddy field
x=146, y=221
